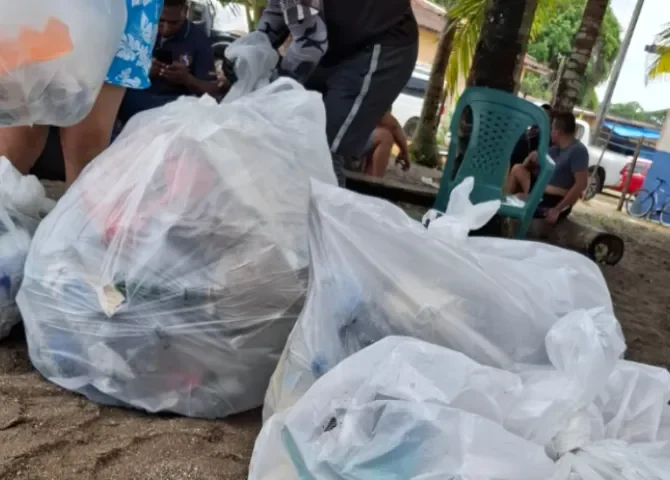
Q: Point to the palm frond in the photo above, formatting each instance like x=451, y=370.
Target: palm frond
x=467, y=16
x=660, y=66
x=546, y=9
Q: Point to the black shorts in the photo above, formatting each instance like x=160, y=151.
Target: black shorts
x=547, y=203
x=357, y=92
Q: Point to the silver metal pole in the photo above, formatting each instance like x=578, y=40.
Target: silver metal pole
x=616, y=70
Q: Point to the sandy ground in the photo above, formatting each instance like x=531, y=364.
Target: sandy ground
x=47, y=433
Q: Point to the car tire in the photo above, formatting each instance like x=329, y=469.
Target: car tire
x=410, y=127
x=596, y=182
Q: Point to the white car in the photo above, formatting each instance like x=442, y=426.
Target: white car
x=605, y=171
x=407, y=107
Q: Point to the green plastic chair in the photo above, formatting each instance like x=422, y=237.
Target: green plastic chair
x=498, y=121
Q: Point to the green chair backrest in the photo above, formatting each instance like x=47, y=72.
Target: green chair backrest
x=498, y=121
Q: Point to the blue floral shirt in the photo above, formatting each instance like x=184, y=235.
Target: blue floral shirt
x=131, y=65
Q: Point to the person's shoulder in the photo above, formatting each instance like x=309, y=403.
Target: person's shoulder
x=197, y=32
x=579, y=148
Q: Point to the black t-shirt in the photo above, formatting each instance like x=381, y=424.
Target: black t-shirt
x=355, y=24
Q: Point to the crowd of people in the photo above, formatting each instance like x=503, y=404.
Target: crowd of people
x=357, y=55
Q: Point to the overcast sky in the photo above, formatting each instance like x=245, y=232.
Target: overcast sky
x=631, y=85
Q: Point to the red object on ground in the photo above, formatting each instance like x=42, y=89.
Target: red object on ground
x=637, y=180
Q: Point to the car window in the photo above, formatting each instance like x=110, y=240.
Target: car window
x=580, y=131
x=416, y=87
x=639, y=168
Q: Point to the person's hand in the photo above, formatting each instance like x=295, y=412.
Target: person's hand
x=157, y=68
x=552, y=216
x=176, y=73
x=531, y=159
x=222, y=82
x=403, y=160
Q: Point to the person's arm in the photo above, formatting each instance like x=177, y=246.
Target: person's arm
x=310, y=39
x=531, y=160
x=203, y=72
x=579, y=164
x=272, y=23
x=389, y=122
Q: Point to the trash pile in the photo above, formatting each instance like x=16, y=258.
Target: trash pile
x=54, y=56
x=405, y=408
x=174, y=272
x=23, y=203
x=353, y=399
x=171, y=273
x=479, y=296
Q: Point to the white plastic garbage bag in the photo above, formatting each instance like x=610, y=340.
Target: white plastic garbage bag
x=54, y=55
x=170, y=275
x=23, y=203
x=403, y=408
x=376, y=272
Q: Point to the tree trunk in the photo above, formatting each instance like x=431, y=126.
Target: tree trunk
x=424, y=144
x=570, y=83
x=502, y=44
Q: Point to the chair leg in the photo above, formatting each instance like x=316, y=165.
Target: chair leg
x=524, y=224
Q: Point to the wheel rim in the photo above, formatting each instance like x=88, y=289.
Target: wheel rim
x=664, y=216
x=641, y=205
x=592, y=189
x=607, y=250
x=600, y=253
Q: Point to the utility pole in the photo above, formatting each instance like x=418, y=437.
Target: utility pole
x=616, y=70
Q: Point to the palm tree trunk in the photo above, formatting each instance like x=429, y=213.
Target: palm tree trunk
x=424, y=143
x=570, y=83
x=502, y=44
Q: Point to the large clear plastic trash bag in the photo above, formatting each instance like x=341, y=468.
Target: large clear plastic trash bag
x=623, y=434
x=401, y=409
x=376, y=272
x=23, y=203
x=392, y=410
x=171, y=273
x=404, y=408
x=54, y=56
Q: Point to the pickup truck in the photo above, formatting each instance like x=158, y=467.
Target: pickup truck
x=605, y=174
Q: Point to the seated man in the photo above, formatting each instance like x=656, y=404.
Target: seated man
x=377, y=151
x=570, y=177
x=182, y=64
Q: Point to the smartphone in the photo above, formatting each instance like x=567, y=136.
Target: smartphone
x=163, y=56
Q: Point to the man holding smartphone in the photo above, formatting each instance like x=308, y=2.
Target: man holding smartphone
x=182, y=63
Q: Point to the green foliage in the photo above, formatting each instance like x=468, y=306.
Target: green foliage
x=554, y=42
x=634, y=111
x=537, y=86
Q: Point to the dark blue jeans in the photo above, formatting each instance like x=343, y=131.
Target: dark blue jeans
x=136, y=101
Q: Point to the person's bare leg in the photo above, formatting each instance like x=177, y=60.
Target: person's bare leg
x=518, y=180
x=86, y=140
x=382, y=142
x=23, y=145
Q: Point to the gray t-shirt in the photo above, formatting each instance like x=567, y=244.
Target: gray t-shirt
x=571, y=159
